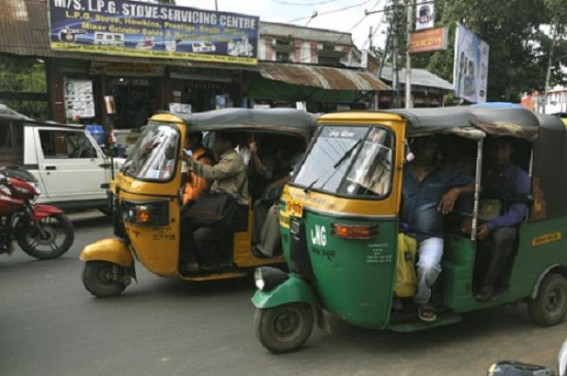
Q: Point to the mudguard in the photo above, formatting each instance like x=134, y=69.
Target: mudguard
x=292, y=290
x=112, y=250
x=42, y=211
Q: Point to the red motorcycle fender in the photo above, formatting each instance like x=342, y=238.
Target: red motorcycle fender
x=112, y=250
x=43, y=211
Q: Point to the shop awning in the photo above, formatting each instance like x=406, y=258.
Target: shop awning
x=322, y=77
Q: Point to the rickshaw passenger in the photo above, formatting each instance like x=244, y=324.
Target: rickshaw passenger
x=260, y=167
x=429, y=192
x=266, y=237
x=506, y=182
x=229, y=176
x=196, y=184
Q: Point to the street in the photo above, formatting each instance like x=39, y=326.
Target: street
x=50, y=325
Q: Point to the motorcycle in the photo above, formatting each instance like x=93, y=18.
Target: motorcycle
x=42, y=231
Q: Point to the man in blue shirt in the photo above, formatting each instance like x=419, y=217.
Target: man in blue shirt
x=511, y=185
x=429, y=192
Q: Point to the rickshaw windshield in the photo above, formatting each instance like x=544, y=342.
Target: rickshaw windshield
x=155, y=153
x=349, y=161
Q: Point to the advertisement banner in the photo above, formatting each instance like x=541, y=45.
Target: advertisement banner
x=470, y=68
x=428, y=40
x=130, y=28
x=424, y=14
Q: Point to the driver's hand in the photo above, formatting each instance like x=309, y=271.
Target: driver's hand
x=448, y=201
x=482, y=232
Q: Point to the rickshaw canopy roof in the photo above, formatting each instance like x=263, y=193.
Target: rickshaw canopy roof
x=277, y=120
x=467, y=121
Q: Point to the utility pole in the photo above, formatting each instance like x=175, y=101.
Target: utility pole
x=395, y=68
x=409, y=7
x=548, y=73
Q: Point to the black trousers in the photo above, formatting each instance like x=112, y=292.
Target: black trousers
x=496, y=254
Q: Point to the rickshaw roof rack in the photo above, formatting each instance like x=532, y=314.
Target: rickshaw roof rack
x=277, y=119
x=492, y=120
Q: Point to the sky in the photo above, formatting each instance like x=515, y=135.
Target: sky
x=339, y=15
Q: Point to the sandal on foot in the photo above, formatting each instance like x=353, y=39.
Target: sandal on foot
x=426, y=313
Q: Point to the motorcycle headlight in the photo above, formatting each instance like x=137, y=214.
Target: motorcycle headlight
x=266, y=278
x=146, y=213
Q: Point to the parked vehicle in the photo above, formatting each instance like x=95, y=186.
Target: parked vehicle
x=42, y=231
x=341, y=228
x=67, y=162
x=147, y=199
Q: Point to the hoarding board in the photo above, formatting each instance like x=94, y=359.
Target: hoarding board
x=470, y=69
x=130, y=28
x=424, y=15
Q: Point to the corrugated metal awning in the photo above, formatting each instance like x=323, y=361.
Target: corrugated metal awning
x=323, y=77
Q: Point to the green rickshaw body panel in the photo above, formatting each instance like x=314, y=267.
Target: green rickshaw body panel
x=542, y=244
x=351, y=275
x=293, y=290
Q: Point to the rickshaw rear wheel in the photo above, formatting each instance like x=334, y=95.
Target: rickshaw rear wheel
x=98, y=279
x=284, y=328
x=550, y=305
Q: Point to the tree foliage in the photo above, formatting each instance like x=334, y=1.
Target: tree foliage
x=520, y=40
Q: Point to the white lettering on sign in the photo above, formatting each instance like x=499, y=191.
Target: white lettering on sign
x=319, y=236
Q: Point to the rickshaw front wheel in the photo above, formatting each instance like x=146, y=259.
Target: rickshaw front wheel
x=100, y=279
x=284, y=328
x=550, y=306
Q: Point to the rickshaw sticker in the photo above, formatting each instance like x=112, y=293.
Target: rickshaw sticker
x=319, y=236
x=329, y=254
x=379, y=254
x=294, y=208
x=546, y=238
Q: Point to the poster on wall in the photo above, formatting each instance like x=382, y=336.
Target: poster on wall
x=131, y=28
x=79, y=99
x=470, y=67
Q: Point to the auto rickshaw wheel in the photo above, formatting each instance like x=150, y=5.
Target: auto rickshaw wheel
x=550, y=305
x=99, y=279
x=284, y=328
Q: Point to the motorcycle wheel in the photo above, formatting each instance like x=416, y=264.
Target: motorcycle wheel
x=55, y=239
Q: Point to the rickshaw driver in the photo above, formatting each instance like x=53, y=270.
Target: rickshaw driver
x=429, y=192
x=504, y=181
x=229, y=176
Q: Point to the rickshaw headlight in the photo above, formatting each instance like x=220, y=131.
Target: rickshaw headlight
x=353, y=231
x=154, y=213
x=267, y=278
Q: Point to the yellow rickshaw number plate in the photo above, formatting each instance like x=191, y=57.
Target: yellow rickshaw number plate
x=295, y=208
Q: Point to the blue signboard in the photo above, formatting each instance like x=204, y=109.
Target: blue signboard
x=131, y=28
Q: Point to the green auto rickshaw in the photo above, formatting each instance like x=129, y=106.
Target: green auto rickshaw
x=346, y=249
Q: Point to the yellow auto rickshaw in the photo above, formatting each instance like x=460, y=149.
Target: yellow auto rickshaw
x=146, y=195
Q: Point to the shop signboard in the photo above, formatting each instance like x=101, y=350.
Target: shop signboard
x=470, y=68
x=131, y=28
x=428, y=40
x=425, y=15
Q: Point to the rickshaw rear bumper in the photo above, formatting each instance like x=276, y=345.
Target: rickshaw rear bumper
x=290, y=290
x=112, y=250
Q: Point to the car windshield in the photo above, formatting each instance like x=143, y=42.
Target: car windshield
x=349, y=161
x=154, y=155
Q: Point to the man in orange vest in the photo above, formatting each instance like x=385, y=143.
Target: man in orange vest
x=196, y=184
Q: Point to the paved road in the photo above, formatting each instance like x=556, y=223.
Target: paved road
x=49, y=325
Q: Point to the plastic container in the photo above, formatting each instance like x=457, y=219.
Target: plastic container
x=98, y=133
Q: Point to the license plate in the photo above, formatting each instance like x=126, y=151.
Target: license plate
x=294, y=208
